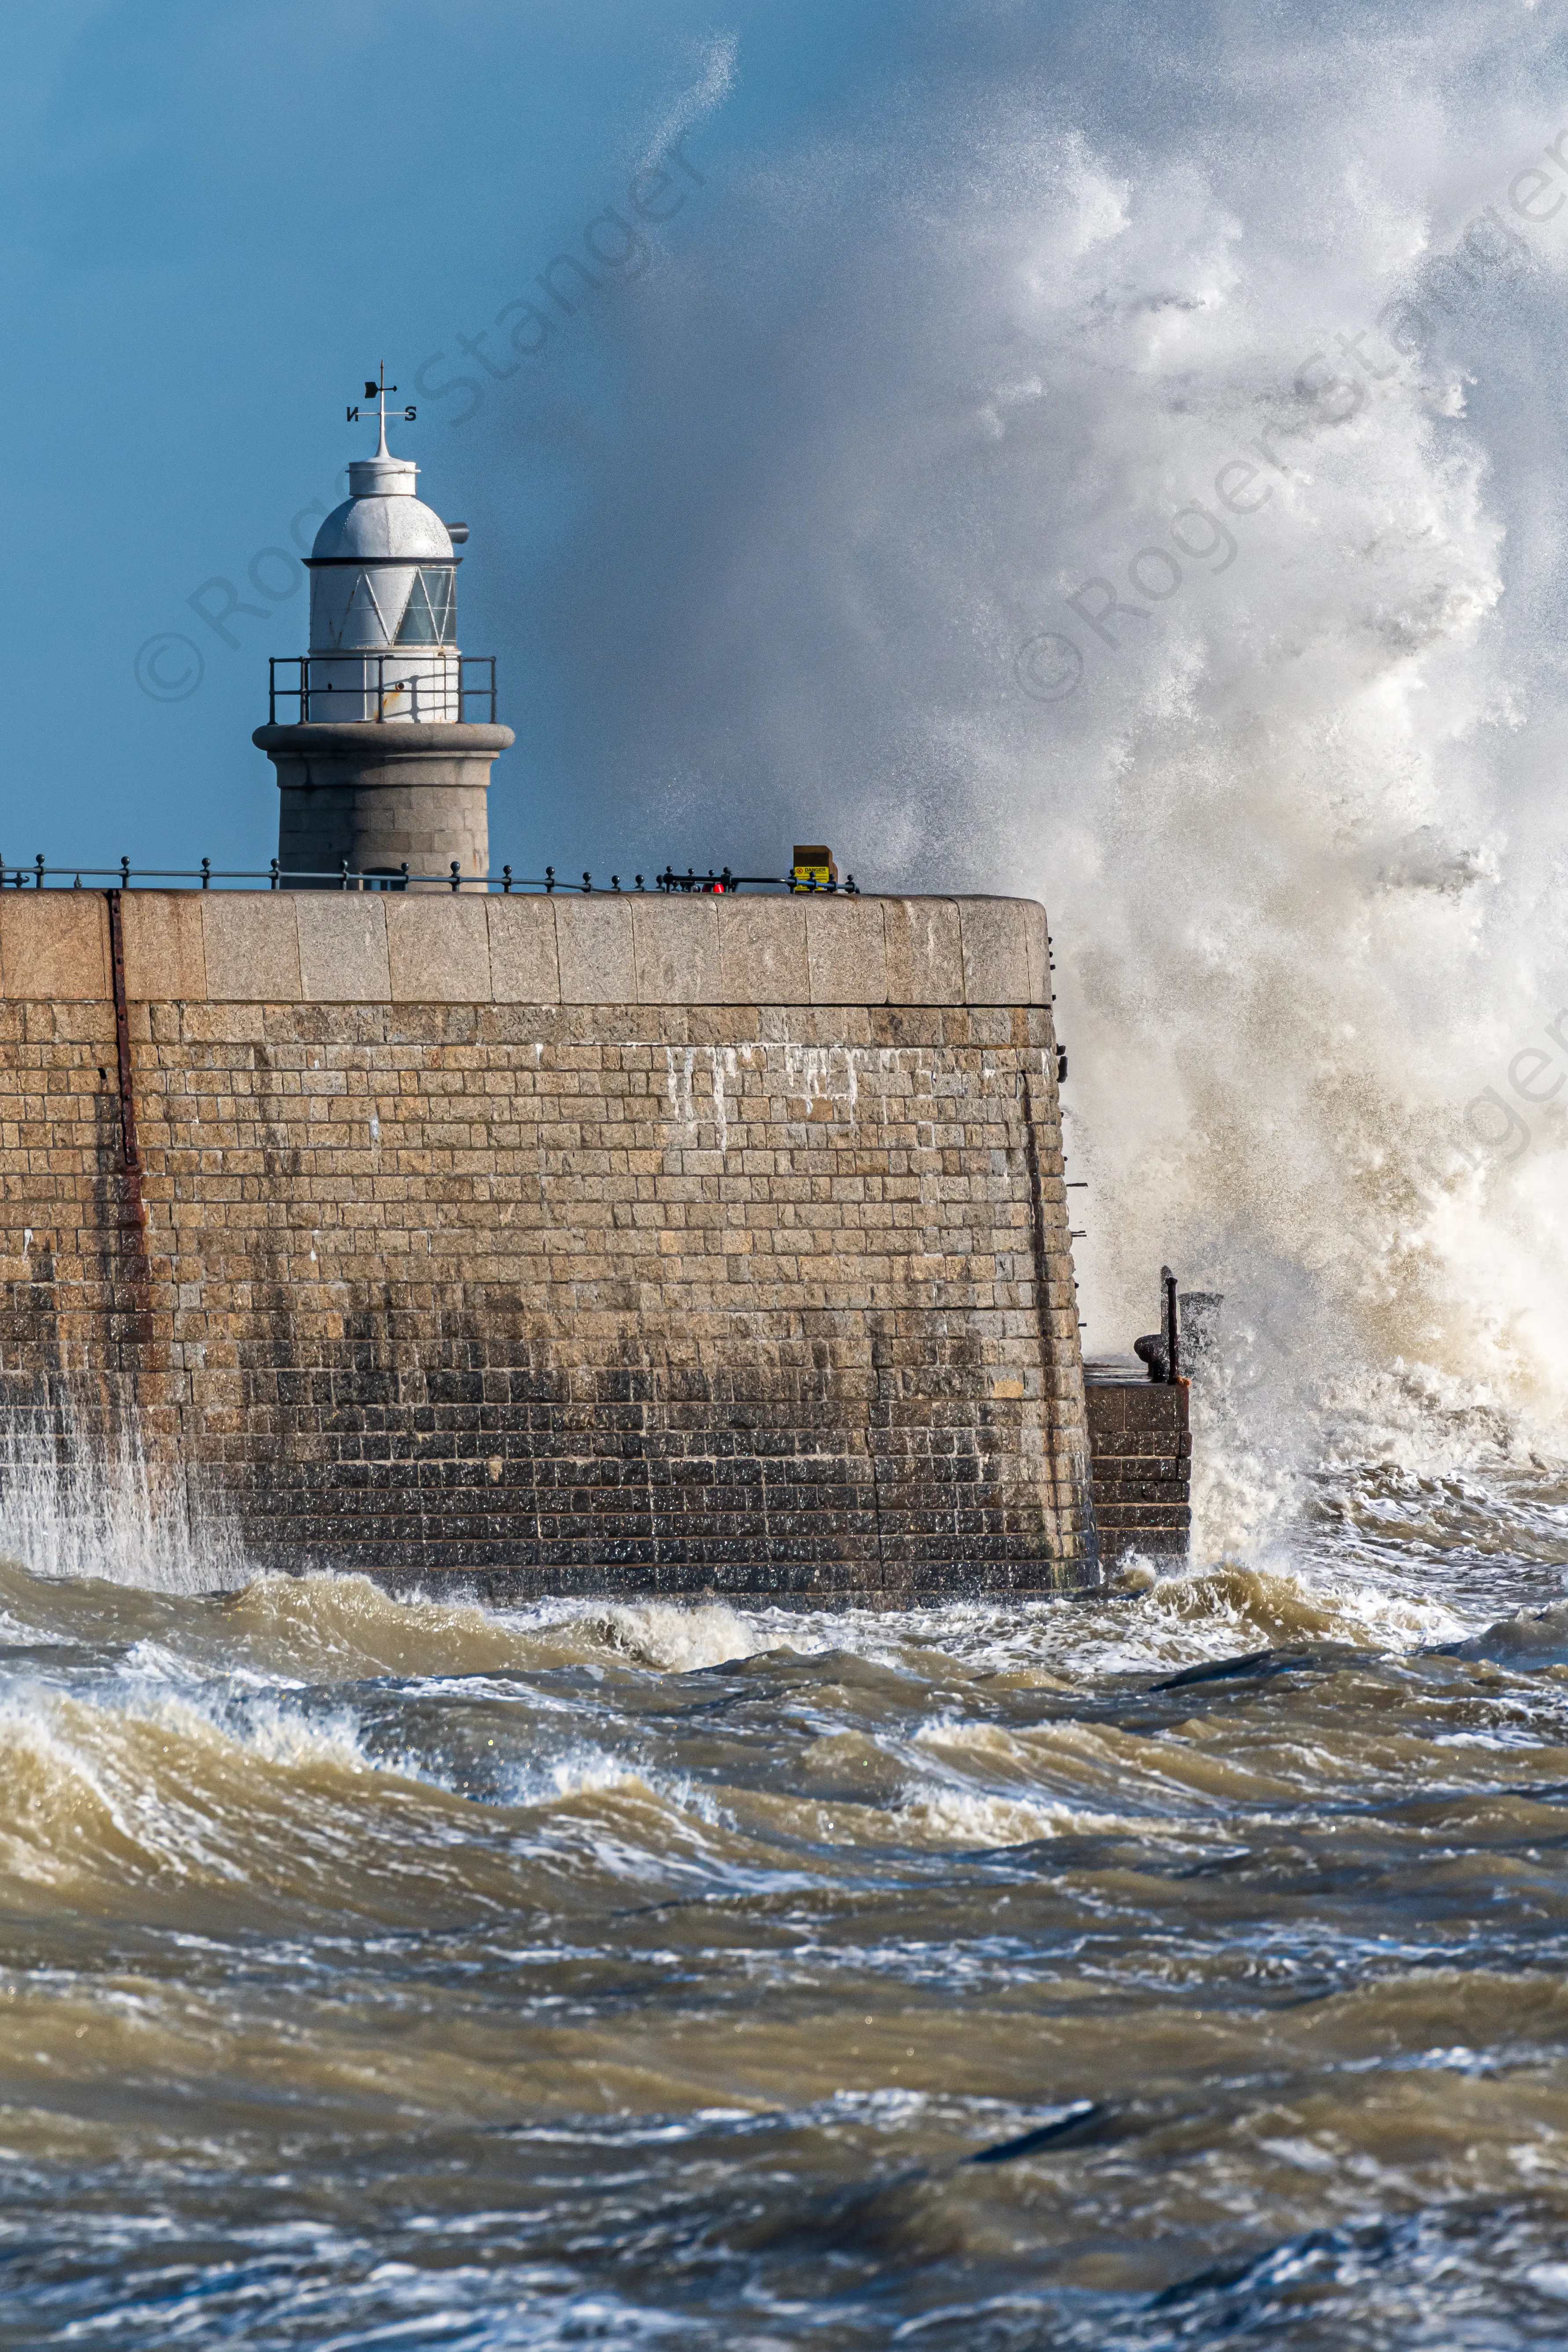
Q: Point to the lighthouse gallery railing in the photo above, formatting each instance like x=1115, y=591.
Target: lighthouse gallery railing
x=315, y=704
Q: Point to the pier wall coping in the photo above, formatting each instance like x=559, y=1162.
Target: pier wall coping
x=370, y=946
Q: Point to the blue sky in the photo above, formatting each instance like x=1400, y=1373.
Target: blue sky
x=217, y=221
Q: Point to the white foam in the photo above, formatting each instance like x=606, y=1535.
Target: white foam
x=1300, y=829
x=74, y=1506
x=583, y=1772
x=680, y=1638
x=977, y=1817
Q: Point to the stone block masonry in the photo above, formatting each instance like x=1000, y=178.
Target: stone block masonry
x=593, y=1244
x=1141, y=1444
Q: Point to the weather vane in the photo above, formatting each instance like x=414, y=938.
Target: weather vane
x=381, y=389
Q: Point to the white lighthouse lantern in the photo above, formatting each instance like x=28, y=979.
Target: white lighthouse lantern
x=384, y=599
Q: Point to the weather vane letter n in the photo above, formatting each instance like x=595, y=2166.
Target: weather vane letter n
x=379, y=390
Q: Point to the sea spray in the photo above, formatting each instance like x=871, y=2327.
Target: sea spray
x=75, y=1502
x=1082, y=301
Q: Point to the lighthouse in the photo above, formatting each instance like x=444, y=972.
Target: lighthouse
x=383, y=733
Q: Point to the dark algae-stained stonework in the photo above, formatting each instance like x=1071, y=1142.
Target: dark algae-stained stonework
x=596, y=1245
x=1141, y=1445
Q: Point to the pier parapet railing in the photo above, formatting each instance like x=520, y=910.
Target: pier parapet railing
x=40, y=876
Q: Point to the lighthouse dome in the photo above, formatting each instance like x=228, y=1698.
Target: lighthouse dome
x=383, y=574
x=382, y=519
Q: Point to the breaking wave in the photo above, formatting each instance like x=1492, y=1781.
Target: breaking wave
x=1245, y=327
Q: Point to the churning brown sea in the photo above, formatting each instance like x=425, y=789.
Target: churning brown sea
x=1179, y=1965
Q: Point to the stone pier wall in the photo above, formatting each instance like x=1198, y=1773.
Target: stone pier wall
x=1142, y=1448
x=608, y=1244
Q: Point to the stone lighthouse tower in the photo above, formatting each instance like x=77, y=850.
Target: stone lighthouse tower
x=386, y=733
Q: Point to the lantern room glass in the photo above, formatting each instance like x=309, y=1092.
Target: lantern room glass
x=429, y=618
